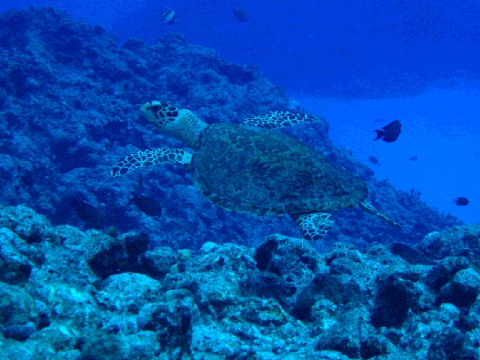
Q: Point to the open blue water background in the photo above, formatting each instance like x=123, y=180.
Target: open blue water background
x=361, y=64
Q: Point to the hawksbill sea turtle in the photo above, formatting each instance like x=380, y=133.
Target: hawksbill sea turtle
x=252, y=169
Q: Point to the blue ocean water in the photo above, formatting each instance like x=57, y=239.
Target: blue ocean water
x=438, y=152
x=357, y=64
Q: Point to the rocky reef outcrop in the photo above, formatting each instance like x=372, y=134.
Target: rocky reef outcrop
x=70, y=294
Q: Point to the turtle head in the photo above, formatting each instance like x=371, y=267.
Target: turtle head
x=171, y=120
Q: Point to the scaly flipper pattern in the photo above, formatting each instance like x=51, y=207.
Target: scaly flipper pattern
x=279, y=119
x=314, y=226
x=149, y=158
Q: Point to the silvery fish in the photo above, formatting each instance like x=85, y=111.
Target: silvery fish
x=169, y=16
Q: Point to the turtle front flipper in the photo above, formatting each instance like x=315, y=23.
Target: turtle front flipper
x=314, y=226
x=149, y=158
x=279, y=119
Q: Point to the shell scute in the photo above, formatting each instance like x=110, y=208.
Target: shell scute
x=265, y=172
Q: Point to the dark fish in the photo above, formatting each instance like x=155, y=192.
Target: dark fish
x=409, y=254
x=241, y=14
x=462, y=201
x=414, y=158
x=92, y=217
x=374, y=160
x=147, y=205
x=169, y=16
x=390, y=132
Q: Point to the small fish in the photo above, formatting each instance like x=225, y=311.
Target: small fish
x=461, y=201
x=169, y=16
x=390, y=132
x=374, y=160
x=241, y=14
x=414, y=158
x=92, y=217
x=147, y=205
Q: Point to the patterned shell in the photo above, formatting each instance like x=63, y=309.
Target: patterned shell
x=264, y=172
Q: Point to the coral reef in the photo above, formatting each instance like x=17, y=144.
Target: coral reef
x=69, y=294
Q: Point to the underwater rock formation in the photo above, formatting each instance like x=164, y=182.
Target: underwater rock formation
x=278, y=301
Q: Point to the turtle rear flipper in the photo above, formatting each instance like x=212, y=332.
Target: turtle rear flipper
x=149, y=158
x=279, y=119
x=368, y=207
x=314, y=226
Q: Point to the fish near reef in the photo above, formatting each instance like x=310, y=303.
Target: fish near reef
x=169, y=16
x=461, y=201
x=409, y=254
x=390, y=132
x=92, y=217
x=148, y=205
x=373, y=160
